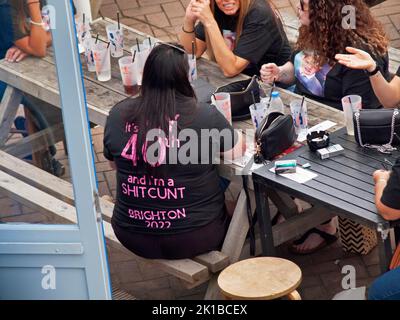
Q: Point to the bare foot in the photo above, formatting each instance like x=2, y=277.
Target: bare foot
x=314, y=240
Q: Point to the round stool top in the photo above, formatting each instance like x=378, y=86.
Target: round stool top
x=259, y=278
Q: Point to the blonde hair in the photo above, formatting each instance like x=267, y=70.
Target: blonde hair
x=244, y=9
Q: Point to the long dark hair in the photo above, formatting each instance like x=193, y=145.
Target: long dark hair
x=326, y=36
x=165, y=78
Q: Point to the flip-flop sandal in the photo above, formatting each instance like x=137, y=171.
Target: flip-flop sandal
x=328, y=239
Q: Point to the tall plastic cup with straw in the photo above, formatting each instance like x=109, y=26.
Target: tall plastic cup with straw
x=192, y=64
x=129, y=74
x=142, y=53
x=88, y=44
x=222, y=101
x=258, y=112
x=83, y=31
x=101, y=52
x=298, y=109
x=351, y=104
x=116, y=37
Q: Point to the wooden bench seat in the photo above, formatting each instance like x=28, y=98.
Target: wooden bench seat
x=42, y=191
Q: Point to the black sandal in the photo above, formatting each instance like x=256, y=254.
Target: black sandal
x=328, y=239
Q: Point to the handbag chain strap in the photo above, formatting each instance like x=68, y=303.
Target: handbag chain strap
x=385, y=148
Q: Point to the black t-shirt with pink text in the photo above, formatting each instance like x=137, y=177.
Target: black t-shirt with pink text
x=186, y=195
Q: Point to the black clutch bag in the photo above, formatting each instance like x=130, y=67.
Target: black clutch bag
x=275, y=134
x=378, y=129
x=241, y=97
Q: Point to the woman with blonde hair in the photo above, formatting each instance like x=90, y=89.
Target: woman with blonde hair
x=240, y=35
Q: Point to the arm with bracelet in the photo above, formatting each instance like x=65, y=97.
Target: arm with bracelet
x=187, y=34
x=387, y=192
x=388, y=93
x=29, y=33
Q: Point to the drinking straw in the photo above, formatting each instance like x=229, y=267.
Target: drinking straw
x=254, y=100
x=351, y=103
x=137, y=43
x=108, y=45
x=150, y=42
x=119, y=26
x=83, y=18
x=272, y=90
x=133, y=57
x=97, y=39
x=302, y=104
x=192, y=49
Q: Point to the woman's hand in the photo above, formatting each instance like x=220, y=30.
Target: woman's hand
x=381, y=175
x=202, y=11
x=359, y=59
x=189, y=15
x=15, y=54
x=269, y=73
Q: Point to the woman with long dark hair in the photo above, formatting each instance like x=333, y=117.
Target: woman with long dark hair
x=240, y=35
x=313, y=69
x=169, y=203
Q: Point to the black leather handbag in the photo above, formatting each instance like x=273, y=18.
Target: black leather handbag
x=275, y=134
x=377, y=129
x=241, y=97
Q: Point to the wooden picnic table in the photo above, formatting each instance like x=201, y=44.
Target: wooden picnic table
x=38, y=78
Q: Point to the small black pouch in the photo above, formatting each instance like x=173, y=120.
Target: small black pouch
x=275, y=134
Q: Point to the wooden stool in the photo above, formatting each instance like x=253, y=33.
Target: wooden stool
x=263, y=278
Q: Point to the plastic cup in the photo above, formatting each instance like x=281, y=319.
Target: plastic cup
x=88, y=44
x=141, y=56
x=222, y=102
x=258, y=112
x=300, y=116
x=116, y=38
x=103, y=62
x=83, y=32
x=129, y=75
x=46, y=18
x=192, y=68
x=350, y=104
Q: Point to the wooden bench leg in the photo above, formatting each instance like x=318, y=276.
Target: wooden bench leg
x=294, y=295
x=213, y=292
x=8, y=109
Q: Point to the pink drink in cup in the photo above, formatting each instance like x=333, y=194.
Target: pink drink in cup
x=101, y=53
x=351, y=104
x=129, y=75
x=116, y=37
x=222, y=101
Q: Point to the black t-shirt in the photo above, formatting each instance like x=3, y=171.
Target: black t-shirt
x=263, y=39
x=185, y=196
x=329, y=84
x=391, y=194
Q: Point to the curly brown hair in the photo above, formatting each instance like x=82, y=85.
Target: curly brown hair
x=326, y=36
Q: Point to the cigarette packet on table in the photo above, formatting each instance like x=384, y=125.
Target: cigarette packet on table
x=331, y=151
x=285, y=166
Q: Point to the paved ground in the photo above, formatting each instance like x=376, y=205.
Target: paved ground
x=162, y=18
x=322, y=271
